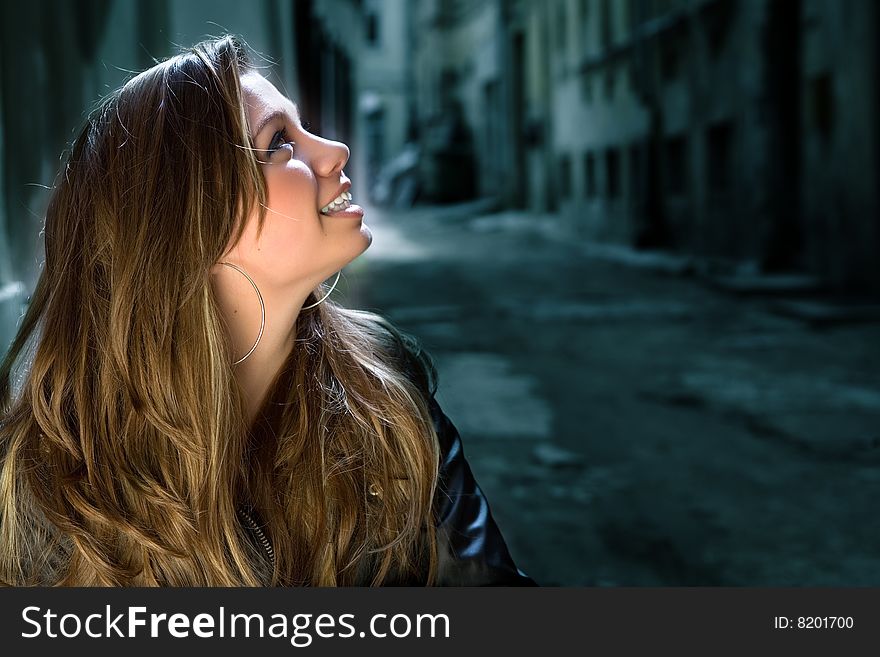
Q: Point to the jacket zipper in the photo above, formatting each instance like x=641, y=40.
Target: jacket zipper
x=261, y=536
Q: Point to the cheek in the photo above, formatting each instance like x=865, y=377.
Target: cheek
x=292, y=228
x=291, y=190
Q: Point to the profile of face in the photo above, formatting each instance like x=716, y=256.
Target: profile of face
x=312, y=226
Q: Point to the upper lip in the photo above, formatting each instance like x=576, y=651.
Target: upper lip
x=343, y=188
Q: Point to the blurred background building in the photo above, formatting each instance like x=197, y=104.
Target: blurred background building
x=735, y=128
x=732, y=128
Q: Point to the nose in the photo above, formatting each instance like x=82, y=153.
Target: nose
x=329, y=157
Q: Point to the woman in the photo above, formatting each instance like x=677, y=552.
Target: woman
x=196, y=411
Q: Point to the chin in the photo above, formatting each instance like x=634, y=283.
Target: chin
x=364, y=239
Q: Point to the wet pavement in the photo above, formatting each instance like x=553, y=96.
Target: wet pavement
x=629, y=424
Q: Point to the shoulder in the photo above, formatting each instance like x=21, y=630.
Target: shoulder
x=473, y=551
x=397, y=349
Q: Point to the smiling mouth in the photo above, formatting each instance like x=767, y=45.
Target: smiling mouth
x=341, y=202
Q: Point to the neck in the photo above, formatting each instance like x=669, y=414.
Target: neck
x=256, y=373
x=240, y=307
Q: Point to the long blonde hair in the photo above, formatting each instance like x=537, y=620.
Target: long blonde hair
x=125, y=454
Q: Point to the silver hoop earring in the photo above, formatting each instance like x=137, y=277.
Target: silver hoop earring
x=262, y=309
x=332, y=287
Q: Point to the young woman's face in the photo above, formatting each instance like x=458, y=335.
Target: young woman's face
x=304, y=241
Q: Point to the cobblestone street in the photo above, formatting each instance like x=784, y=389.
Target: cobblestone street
x=634, y=427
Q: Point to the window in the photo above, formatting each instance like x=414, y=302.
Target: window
x=587, y=86
x=612, y=173
x=375, y=138
x=625, y=18
x=675, y=156
x=565, y=176
x=670, y=58
x=718, y=21
x=822, y=105
x=610, y=77
x=583, y=22
x=635, y=172
x=371, y=16
x=605, y=26
x=590, y=175
x=719, y=153
x=561, y=24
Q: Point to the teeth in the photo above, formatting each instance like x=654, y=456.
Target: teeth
x=340, y=202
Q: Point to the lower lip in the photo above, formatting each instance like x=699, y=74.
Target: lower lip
x=354, y=211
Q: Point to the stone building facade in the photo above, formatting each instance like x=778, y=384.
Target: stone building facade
x=735, y=129
x=384, y=87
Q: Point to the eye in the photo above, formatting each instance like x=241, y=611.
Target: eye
x=279, y=140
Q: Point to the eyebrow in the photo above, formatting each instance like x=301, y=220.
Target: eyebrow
x=266, y=120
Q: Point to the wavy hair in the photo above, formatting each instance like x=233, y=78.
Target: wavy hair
x=125, y=454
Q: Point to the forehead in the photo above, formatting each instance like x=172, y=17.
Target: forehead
x=262, y=99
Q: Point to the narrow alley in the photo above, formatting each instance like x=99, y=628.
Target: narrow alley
x=635, y=427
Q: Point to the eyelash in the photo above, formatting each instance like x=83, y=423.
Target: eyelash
x=282, y=134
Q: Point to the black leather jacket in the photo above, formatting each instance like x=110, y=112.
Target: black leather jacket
x=472, y=550
x=470, y=547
